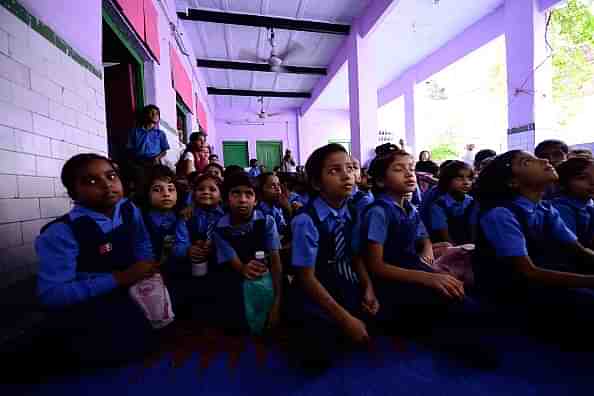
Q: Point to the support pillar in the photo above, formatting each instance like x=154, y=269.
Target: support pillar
x=409, y=119
x=363, y=102
x=529, y=90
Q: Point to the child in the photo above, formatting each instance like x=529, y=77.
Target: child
x=359, y=198
x=238, y=236
x=516, y=232
x=333, y=291
x=193, y=244
x=215, y=169
x=365, y=184
x=576, y=180
x=555, y=151
x=255, y=168
x=87, y=260
x=270, y=200
x=299, y=195
x=448, y=213
x=413, y=295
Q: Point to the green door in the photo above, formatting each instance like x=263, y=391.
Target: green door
x=269, y=154
x=235, y=153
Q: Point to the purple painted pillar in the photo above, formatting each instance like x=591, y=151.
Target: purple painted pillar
x=362, y=97
x=525, y=50
x=409, y=118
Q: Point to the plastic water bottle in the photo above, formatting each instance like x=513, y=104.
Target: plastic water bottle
x=199, y=268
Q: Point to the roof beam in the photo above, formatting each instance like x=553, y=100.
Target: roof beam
x=247, y=92
x=259, y=67
x=194, y=14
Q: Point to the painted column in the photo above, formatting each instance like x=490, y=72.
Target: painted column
x=409, y=118
x=362, y=98
x=528, y=89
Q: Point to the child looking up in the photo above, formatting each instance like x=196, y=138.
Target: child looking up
x=447, y=214
x=333, y=292
x=575, y=205
x=87, y=260
x=238, y=236
x=270, y=197
x=513, y=264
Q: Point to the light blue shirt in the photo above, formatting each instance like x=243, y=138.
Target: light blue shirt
x=439, y=217
x=147, y=144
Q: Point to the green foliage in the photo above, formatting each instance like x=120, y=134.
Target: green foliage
x=444, y=151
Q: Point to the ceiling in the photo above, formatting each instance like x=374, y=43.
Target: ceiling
x=413, y=30
x=231, y=42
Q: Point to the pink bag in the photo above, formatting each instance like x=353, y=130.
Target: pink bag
x=152, y=296
x=455, y=260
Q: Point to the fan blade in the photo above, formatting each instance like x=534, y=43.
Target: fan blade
x=274, y=114
x=293, y=50
x=250, y=56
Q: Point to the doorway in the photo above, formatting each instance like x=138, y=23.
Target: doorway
x=269, y=154
x=235, y=153
x=124, y=95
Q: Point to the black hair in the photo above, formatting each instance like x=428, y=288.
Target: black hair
x=214, y=155
x=253, y=162
x=74, y=165
x=483, y=155
x=195, y=136
x=492, y=187
x=570, y=169
x=450, y=172
x=538, y=150
x=232, y=169
x=236, y=180
x=423, y=152
x=380, y=165
x=315, y=163
x=215, y=165
x=143, y=114
x=206, y=176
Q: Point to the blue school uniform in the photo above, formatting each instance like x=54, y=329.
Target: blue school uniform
x=161, y=227
x=146, y=144
x=196, y=229
x=254, y=171
x=277, y=214
x=578, y=216
x=456, y=216
x=303, y=199
x=519, y=228
x=241, y=241
x=78, y=253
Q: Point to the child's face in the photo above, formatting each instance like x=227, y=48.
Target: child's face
x=207, y=194
x=400, y=176
x=98, y=186
x=462, y=183
x=163, y=195
x=337, y=176
x=581, y=186
x=153, y=116
x=271, y=190
x=214, y=171
x=554, y=154
x=530, y=171
x=242, y=200
x=357, y=170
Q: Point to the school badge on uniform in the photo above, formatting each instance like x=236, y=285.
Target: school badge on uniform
x=105, y=248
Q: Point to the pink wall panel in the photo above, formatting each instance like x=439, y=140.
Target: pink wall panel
x=151, y=28
x=134, y=12
x=201, y=114
x=181, y=81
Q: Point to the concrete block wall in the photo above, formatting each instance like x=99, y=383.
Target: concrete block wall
x=51, y=108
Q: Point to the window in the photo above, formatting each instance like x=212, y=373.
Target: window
x=182, y=121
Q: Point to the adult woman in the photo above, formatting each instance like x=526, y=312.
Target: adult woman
x=195, y=156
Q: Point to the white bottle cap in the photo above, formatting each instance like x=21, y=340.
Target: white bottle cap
x=260, y=255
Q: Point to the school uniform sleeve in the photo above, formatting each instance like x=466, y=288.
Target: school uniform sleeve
x=504, y=233
x=182, y=239
x=558, y=228
x=421, y=230
x=567, y=215
x=58, y=283
x=304, y=246
x=375, y=227
x=143, y=249
x=272, y=237
x=438, y=219
x=225, y=251
x=163, y=141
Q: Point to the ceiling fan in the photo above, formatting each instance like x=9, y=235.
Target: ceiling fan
x=275, y=60
x=262, y=114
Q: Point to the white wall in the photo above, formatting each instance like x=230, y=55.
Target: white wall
x=50, y=109
x=317, y=127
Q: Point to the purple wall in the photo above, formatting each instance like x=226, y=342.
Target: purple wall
x=77, y=22
x=233, y=127
x=317, y=127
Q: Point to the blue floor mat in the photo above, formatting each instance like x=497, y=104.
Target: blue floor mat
x=394, y=367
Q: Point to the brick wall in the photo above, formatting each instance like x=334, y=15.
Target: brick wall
x=51, y=108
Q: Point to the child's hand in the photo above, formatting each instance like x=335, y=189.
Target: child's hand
x=186, y=213
x=137, y=272
x=274, y=315
x=427, y=256
x=447, y=285
x=200, y=250
x=356, y=330
x=370, y=303
x=296, y=205
x=254, y=269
